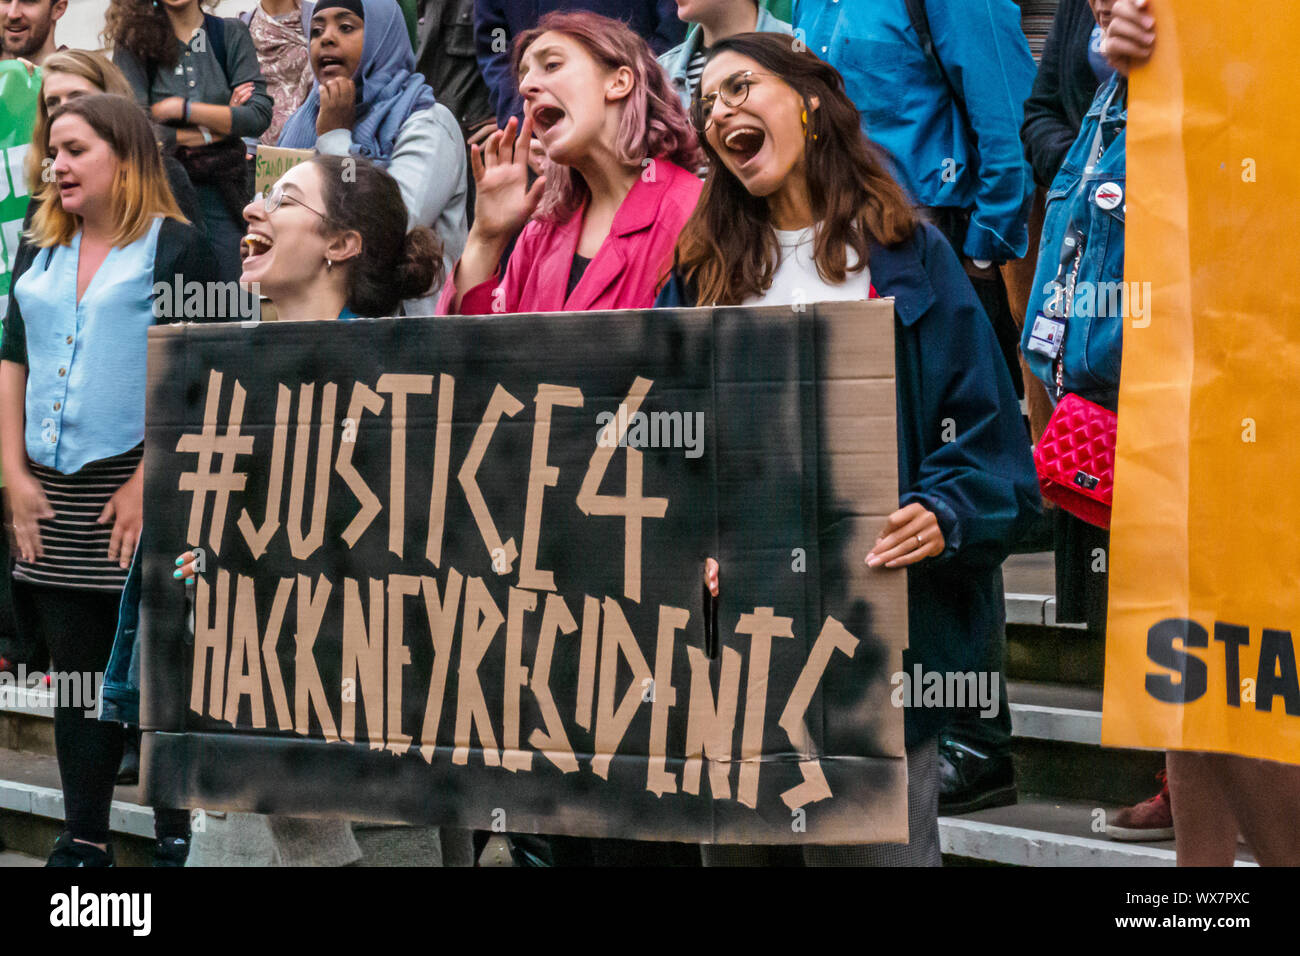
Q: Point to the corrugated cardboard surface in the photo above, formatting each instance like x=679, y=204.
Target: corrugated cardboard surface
x=796, y=470
x=273, y=162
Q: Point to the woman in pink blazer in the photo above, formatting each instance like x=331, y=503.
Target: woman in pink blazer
x=615, y=189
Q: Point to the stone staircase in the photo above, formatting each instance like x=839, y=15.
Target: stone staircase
x=31, y=801
x=1067, y=780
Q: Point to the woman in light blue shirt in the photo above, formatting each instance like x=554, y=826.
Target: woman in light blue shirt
x=108, y=238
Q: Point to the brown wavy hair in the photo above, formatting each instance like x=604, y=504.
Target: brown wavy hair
x=728, y=249
x=142, y=27
x=395, y=263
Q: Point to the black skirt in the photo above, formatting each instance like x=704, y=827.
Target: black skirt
x=1082, y=572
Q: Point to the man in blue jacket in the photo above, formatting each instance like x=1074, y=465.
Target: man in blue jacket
x=498, y=22
x=949, y=112
x=950, y=119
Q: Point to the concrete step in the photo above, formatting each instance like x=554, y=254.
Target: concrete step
x=1064, y=713
x=26, y=719
x=32, y=813
x=1030, y=573
x=10, y=858
x=1039, y=647
x=1040, y=831
x=1055, y=654
x=1056, y=746
x=1029, y=585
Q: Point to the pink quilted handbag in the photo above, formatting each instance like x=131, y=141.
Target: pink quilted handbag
x=1075, y=459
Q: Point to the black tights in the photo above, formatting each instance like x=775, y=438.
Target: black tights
x=78, y=627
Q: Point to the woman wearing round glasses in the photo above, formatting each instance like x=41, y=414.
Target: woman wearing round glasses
x=321, y=246
x=330, y=241
x=799, y=207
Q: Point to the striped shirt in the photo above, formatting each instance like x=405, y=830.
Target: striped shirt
x=75, y=546
x=694, y=69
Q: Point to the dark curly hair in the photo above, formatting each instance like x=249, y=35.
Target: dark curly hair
x=142, y=27
x=394, y=264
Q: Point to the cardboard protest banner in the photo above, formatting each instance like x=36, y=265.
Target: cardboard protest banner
x=1204, y=608
x=272, y=162
x=453, y=573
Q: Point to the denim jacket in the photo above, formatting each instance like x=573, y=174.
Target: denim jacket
x=1091, y=203
x=676, y=61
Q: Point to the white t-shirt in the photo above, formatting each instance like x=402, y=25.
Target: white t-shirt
x=796, y=279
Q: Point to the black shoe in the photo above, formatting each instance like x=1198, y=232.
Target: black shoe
x=972, y=779
x=70, y=852
x=128, y=772
x=171, y=851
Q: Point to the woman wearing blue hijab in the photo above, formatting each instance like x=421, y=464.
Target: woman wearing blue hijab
x=367, y=101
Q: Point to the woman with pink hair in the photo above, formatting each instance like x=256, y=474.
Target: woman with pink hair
x=615, y=188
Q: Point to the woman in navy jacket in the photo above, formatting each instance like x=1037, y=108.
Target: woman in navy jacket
x=798, y=207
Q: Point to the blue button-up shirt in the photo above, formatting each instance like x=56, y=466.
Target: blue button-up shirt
x=86, y=360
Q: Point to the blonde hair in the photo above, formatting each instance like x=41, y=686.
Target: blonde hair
x=142, y=191
x=97, y=70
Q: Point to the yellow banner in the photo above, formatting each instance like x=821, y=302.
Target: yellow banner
x=1205, y=554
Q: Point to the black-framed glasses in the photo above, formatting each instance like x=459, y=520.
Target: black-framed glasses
x=733, y=91
x=271, y=201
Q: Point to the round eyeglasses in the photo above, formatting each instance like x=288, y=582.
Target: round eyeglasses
x=733, y=91
x=271, y=201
